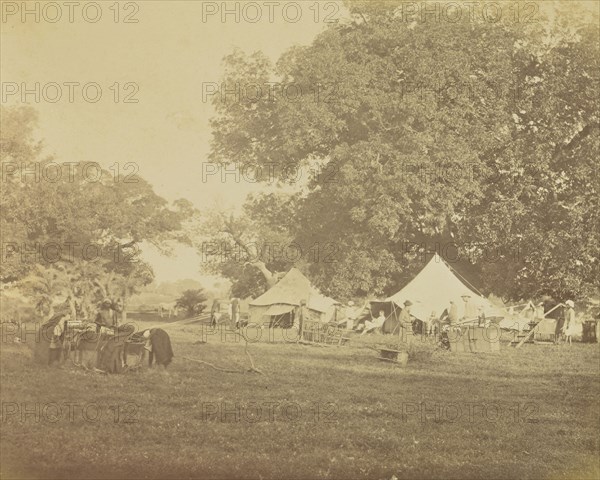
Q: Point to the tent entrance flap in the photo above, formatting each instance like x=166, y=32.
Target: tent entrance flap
x=279, y=309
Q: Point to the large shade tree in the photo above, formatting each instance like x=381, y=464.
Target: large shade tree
x=468, y=133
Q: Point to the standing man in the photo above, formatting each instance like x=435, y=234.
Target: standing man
x=569, y=325
x=406, y=324
x=469, y=310
x=235, y=312
x=350, y=315
x=106, y=318
x=560, y=323
x=433, y=325
x=214, y=312
x=301, y=316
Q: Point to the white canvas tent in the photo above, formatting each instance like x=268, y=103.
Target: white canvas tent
x=434, y=287
x=286, y=295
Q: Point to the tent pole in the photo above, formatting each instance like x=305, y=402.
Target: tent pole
x=399, y=327
x=534, y=329
x=395, y=316
x=301, y=315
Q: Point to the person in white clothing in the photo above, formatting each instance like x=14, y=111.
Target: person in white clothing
x=376, y=323
x=352, y=313
x=569, y=325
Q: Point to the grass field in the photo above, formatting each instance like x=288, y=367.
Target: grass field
x=317, y=412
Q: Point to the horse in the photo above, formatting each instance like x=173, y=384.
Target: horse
x=169, y=308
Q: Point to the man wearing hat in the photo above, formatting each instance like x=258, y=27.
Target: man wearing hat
x=406, y=324
x=569, y=325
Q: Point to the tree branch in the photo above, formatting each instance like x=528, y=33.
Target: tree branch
x=270, y=277
x=575, y=140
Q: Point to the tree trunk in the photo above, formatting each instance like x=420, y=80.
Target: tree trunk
x=270, y=277
x=72, y=307
x=124, y=310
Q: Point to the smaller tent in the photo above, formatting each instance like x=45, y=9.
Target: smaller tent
x=279, y=303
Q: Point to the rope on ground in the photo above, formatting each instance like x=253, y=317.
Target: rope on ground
x=213, y=366
x=220, y=369
x=182, y=322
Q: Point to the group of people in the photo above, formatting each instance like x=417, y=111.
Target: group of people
x=430, y=326
x=566, y=324
x=451, y=315
x=233, y=311
x=435, y=325
x=104, y=332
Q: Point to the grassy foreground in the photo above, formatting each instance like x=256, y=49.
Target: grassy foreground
x=317, y=412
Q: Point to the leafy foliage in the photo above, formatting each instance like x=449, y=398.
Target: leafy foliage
x=192, y=301
x=479, y=135
x=75, y=223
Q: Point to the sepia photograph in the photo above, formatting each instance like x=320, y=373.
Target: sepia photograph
x=300, y=240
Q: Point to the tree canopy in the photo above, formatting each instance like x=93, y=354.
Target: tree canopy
x=473, y=136
x=74, y=228
x=192, y=301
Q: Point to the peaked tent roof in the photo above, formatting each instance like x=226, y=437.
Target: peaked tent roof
x=291, y=290
x=433, y=289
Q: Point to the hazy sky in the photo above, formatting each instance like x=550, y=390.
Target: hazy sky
x=169, y=53
x=162, y=61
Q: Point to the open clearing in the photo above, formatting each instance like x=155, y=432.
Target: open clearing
x=316, y=412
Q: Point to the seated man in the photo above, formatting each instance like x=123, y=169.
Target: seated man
x=375, y=323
